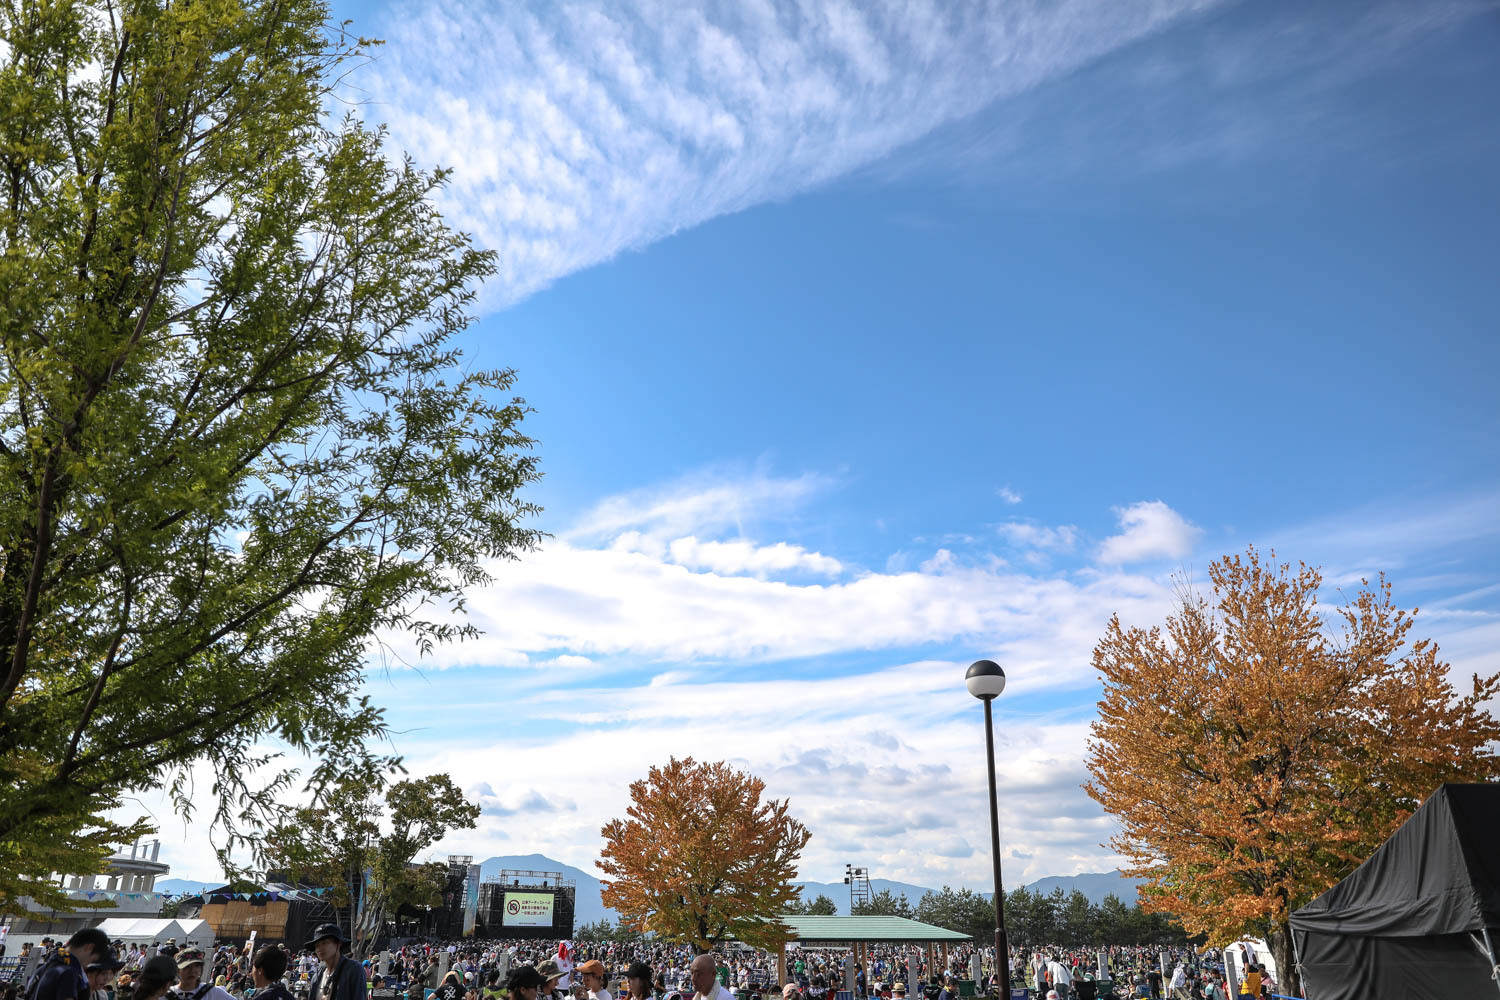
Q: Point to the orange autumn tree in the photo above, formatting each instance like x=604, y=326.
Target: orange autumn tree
x=701, y=858
x=1259, y=748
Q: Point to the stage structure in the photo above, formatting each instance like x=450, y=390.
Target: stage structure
x=526, y=904
x=460, y=905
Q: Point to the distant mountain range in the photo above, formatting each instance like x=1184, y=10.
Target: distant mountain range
x=588, y=907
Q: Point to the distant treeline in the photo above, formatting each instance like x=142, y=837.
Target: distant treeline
x=1031, y=918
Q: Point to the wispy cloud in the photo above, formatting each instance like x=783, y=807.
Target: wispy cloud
x=580, y=130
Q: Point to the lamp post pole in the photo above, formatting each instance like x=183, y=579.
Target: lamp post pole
x=985, y=680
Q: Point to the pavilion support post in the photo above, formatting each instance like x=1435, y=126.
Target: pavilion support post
x=930, y=968
x=781, y=965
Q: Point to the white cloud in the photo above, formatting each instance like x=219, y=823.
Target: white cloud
x=742, y=556
x=1025, y=535
x=576, y=131
x=1151, y=530
x=1009, y=495
x=611, y=603
x=888, y=767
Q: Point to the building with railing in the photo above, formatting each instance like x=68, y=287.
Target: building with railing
x=128, y=884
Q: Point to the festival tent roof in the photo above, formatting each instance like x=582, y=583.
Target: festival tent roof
x=143, y=929
x=849, y=929
x=1417, y=919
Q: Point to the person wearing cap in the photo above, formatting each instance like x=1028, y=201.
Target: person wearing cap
x=591, y=976
x=337, y=976
x=551, y=973
x=191, y=983
x=790, y=992
x=638, y=982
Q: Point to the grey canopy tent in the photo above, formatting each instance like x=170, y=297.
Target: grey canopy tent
x=1421, y=917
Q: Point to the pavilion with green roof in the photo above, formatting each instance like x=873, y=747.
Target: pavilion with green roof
x=861, y=932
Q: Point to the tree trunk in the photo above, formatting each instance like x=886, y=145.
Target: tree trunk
x=1288, y=978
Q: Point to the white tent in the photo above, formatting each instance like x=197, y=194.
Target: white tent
x=144, y=930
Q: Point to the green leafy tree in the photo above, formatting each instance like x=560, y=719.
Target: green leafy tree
x=962, y=910
x=1021, y=906
x=1078, y=920
x=340, y=843
x=237, y=447
x=884, y=903
x=1114, y=921
x=820, y=906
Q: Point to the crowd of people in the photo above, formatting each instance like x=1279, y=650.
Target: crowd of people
x=88, y=966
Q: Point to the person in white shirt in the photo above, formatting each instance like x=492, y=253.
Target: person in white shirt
x=592, y=975
x=190, y=984
x=705, y=975
x=1062, y=979
x=1178, y=987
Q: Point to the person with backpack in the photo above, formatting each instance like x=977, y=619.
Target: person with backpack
x=63, y=976
x=338, y=977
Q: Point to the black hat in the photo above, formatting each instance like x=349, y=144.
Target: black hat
x=108, y=963
x=524, y=975
x=327, y=931
x=638, y=970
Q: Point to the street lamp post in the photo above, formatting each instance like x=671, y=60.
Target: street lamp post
x=985, y=680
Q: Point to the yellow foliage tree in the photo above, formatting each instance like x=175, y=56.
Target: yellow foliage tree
x=701, y=858
x=1257, y=749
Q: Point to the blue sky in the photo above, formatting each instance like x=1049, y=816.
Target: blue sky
x=866, y=339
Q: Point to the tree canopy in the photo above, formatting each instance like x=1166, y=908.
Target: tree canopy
x=340, y=842
x=820, y=906
x=237, y=447
x=884, y=903
x=1258, y=748
x=702, y=858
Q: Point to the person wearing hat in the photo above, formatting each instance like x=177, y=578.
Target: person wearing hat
x=790, y=992
x=102, y=974
x=591, y=975
x=191, y=983
x=337, y=976
x=524, y=983
x=638, y=982
x=552, y=974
